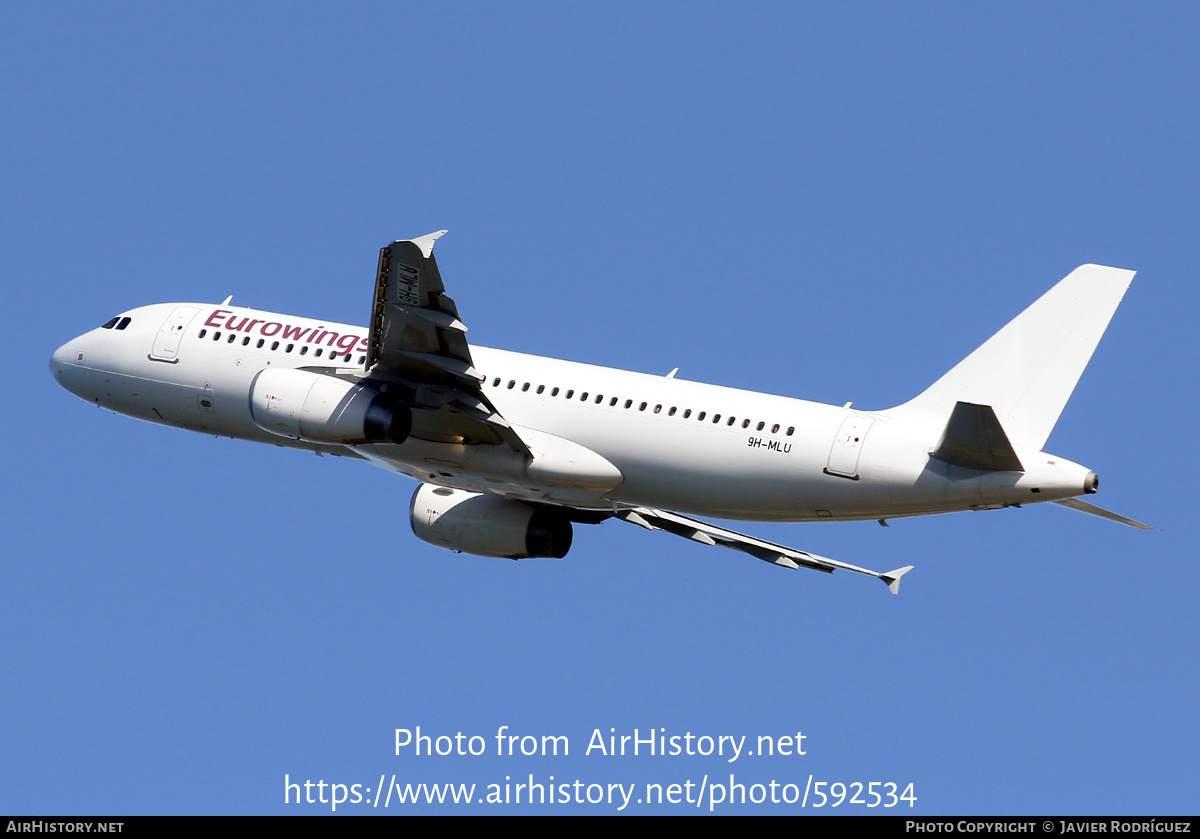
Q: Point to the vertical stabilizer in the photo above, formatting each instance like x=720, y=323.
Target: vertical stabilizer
x=1027, y=371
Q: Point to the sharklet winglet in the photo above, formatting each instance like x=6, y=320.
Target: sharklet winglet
x=892, y=578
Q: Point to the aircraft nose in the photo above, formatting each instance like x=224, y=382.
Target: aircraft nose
x=65, y=365
x=59, y=360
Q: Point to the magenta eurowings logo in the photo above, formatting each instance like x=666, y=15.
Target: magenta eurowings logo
x=341, y=342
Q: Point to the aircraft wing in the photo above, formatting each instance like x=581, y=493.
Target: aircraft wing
x=708, y=534
x=417, y=341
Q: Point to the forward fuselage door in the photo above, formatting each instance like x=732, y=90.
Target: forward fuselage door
x=166, y=342
x=847, y=446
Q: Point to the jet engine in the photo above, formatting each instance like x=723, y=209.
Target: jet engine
x=325, y=409
x=488, y=525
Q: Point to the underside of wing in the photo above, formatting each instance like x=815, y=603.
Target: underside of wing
x=709, y=534
x=418, y=344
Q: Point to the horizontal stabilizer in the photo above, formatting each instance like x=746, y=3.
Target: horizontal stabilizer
x=1091, y=509
x=974, y=439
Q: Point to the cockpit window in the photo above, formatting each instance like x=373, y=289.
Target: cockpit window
x=111, y=323
x=124, y=322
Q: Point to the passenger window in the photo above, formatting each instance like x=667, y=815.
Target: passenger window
x=232, y=337
x=290, y=347
x=732, y=420
x=318, y=353
x=541, y=388
x=612, y=402
x=216, y=336
x=599, y=398
x=642, y=407
x=687, y=413
x=495, y=383
x=512, y=383
x=109, y=325
x=304, y=350
x=570, y=394
x=775, y=428
x=791, y=429
x=761, y=426
x=745, y=423
x=525, y=388
x=554, y=392
x=274, y=345
x=260, y=343
x=671, y=412
x=716, y=418
x=246, y=343
x=658, y=409
x=700, y=417
x=628, y=403
x=362, y=359
x=583, y=396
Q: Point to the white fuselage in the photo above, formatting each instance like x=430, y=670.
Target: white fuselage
x=679, y=445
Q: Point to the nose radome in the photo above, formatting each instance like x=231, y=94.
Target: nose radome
x=59, y=359
x=66, y=360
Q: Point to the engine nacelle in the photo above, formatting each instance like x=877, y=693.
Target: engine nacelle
x=325, y=409
x=487, y=525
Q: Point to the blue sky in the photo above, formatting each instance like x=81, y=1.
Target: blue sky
x=830, y=203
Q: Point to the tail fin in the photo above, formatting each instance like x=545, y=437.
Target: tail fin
x=1027, y=371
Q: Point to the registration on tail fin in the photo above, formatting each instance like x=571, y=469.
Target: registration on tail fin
x=1027, y=371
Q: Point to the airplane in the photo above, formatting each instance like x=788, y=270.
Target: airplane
x=510, y=450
